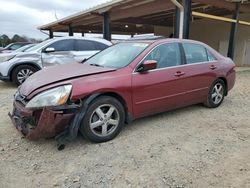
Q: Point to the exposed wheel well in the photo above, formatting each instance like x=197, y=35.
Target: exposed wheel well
x=14, y=67
x=225, y=82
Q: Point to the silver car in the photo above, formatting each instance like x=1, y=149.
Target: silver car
x=17, y=67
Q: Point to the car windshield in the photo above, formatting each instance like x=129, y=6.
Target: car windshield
x=6, y=47
x=117, y=56
x=40, y=45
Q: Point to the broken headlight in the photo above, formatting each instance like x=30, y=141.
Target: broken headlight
x=53, y=97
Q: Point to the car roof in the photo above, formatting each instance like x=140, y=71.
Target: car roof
x=159, y=41
x=83, y=38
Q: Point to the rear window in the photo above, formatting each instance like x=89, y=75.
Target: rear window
x=195, y=53
x=87, y=45
x=84, y=45
x=100, y=46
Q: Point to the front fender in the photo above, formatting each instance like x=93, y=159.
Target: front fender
x=23, y=63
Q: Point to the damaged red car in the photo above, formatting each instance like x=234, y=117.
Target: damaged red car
x=127, y=81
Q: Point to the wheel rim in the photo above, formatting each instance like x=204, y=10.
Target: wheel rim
x=23, y=74
x=217, y=93
x=104, y=120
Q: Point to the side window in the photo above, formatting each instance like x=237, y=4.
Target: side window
x=210, y=56
x=195, y=53
x=84, y=45
x=166, y=55
x=63, y=45
x=100, y=46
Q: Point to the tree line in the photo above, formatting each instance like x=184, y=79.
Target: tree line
x=5, y=40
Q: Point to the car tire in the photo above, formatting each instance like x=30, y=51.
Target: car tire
x=21, y=73
x=103, y=120
x=216, y=94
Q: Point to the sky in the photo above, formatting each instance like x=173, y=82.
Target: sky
x=22, y=17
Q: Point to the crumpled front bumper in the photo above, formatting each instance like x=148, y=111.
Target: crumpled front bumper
x=44, y=123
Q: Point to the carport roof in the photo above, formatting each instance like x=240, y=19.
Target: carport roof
x=136, y=16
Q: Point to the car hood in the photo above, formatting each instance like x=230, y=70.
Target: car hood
x=59, y=73
x=3, y=54
x=27, y=54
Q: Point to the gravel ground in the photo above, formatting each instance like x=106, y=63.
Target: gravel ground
x=190, y=147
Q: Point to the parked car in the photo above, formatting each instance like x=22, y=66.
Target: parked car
x=24, y=48
x=18, y=67
x=145, y=37
x=127, y=81
x=13, y=46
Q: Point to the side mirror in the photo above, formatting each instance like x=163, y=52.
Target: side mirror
x=147, y=65
x=49, y=50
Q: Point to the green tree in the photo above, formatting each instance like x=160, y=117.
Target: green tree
x=17, y=38
x=5, y=40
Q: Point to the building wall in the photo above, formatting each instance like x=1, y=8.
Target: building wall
x=163, y=31
x=216, y=34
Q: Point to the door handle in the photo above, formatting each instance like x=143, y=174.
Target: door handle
x=212, y=67
x=179, y=73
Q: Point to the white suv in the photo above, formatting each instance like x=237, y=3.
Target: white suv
x=17, y=67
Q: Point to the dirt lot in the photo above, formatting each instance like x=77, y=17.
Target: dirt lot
x=190, y=147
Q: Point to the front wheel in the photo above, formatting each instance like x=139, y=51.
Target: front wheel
x=103, y=120
x=216, y=94
x=21, y=73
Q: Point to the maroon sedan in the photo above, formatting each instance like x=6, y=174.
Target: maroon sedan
x=127, y=81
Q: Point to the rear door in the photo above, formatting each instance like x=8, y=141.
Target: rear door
x=62, y=54
x=200, y=70
x=163, y=88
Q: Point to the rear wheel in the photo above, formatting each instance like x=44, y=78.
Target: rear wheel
x=216, y=94
x=21, y=73
x=103, y=120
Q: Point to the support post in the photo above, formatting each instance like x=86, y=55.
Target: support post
x=51, y=35
x=181, y=18
x=233, y=32
x=83, y=34
x=106, y=26
x=177, y=23
x=187, y=16
x=71, y=31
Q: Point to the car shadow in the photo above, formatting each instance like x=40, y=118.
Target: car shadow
x=155, y=117
x=128, y=129
x=80, y=142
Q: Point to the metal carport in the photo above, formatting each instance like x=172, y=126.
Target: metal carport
x=140, y=16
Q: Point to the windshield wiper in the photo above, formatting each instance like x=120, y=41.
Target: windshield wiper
x=97, y=65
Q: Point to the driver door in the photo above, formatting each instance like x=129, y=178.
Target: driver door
x=162, y=88
x=62, y=54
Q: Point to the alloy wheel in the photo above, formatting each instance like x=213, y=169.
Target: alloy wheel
x=23, y=74
x=104, y=120
x=217, y=93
